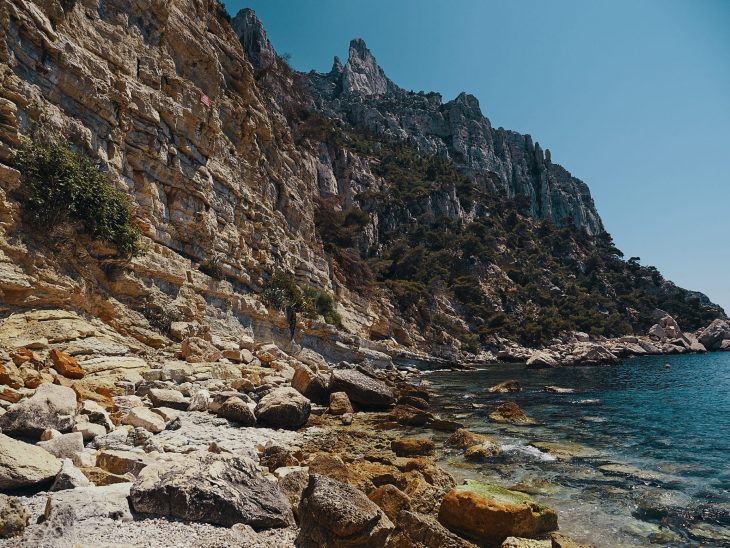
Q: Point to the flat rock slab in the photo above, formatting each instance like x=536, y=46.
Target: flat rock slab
x=361, y=388
x=222, y=489
x=109, y=501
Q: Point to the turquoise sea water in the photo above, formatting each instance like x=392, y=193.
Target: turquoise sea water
x=651, y=445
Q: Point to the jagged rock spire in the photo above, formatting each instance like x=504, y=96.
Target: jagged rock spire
x=362, y=74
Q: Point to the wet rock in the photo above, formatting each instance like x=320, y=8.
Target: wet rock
x=339, y=404
x=558, y=540
x=489, y=514
x=220, y=489
x=334, y=514
x=505, y=387
x=410, y=416
x=411, y=447
x=515, y=542
x=144, y=418
x=463, y=439
x=558, y=390
x=69, y=477
x=416, y=530
x=235, y=409
x=482, y=452
x=391, y=500
x=14, y=516
x=283, y=408
x=64, y=446
x=66, y=365
x=510, y=412
x=23, y=464
x=361, y=388
x=51, y=406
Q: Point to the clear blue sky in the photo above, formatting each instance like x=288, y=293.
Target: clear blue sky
x=632, y=96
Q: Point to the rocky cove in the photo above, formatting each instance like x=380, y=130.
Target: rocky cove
x=225, y=286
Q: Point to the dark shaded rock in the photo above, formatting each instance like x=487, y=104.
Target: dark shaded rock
x=235, y=409
x=276, y=456
x=334, y=514
x=410, y=416
x=283, y=408
x=222, y=489
x=51, y=407
x=361, y=388
x=505, y=387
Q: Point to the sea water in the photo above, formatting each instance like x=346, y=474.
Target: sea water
x=640, y=451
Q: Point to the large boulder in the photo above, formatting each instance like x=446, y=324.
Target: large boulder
x=334, y=514
x=235, y=409
x=283, y=408
x=222, y=489
x=714, y=334
x=489, y=514
x=51, y=407
x=591, y=354
x=310, y=383
x=23, y=464
x=85, y=503
x=339, y=404
x=361, y=388
x=13, y=516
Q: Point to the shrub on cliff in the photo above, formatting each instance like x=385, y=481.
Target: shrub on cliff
x=60, y=185
x=283, y=293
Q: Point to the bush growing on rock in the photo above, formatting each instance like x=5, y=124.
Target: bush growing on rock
x=62, y=185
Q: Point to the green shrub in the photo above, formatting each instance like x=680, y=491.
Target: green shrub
x=283, y=293
x=61, y=185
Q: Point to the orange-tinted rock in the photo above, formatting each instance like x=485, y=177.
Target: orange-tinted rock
x=66, y=365
x=412, y=447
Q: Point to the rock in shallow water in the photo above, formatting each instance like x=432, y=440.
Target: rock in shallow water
x=510, y=412
x=221, y=489
x=489, y=514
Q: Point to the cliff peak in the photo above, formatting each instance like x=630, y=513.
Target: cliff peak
x=253, y=37
x=362, y=74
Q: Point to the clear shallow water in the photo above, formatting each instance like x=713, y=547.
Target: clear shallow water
x=650, y=445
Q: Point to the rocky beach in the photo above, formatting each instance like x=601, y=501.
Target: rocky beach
x=243, y=305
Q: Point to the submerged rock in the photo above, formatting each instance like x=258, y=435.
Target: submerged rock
x=510, y=412
x=505, y=387
x=463, y=439
x=489, y=514
x=221, y=489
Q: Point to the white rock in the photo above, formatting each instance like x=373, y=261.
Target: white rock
x=144, y=418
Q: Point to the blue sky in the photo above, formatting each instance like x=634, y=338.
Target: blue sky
x=632, y=96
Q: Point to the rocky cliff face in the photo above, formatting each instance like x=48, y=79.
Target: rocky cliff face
x=504, y=162
x=225, y=152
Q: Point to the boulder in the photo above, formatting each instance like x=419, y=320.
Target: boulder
x=510, y=412
x=391, y=500
x=714, y=334
x=592, y=354
x=310, y=384
x=410, y=416
x=505, y=387
x=144, y=418
x=197, y=350
x=199, y=400
x=14, y=516
x=339, y=404
x=222, y=489
x=237, y=410
x=64, y=446
x=277, y=456
x=161, y=397
x=422, y=531
x=120, y=462
x=23, y=464
x=69, y=477
x=481, y=452
x=656, y=332
x=334, y=514
x=540, y=359
x=361, y=388
x=91, y=502
x=463, y=439
x=412, y=447
x=51, y=406
x=66, y=365
x=489, y=514
x=283, y=408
